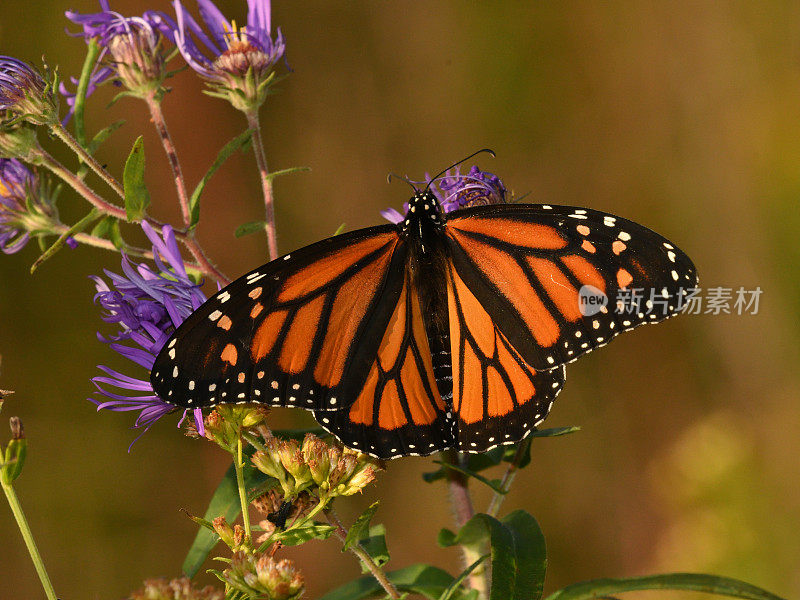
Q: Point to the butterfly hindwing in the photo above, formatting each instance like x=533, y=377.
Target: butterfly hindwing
x=298, y=331
x=399, y=410
x=528, y=265
x=498, y=398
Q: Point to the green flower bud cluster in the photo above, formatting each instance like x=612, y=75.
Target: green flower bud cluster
x=225, y=423
x=324, y=470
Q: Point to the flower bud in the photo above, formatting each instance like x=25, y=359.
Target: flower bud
x=26, y=94
x=17, y=139
x=14, y=455
x=224, y=531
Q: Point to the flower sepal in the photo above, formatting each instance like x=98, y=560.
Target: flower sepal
x=13, y=458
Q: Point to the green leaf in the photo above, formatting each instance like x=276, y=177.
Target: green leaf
x=62, y=239
x=274, y=174
x=103, y=135
x=474, y=535
x=224, y=503
x=696, y=582
x=300, y=535
x=531, y=554
x=92, y=51
x=137, y=198
x=374, y=544
x=227, y=150
x=453, y=588
x=426, y=580
x=555, y=431
x=249, y=228
x=360, y=527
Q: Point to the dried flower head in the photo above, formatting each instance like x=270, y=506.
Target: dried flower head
x=175, y=589
x=264, y=577
x=281, y=511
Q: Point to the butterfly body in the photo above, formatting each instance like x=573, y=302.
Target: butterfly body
x=441, y=331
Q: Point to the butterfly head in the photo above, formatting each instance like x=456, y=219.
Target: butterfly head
x=424, y=213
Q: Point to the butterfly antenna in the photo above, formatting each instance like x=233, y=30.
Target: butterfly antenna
x=406, y=179
x=489, y=150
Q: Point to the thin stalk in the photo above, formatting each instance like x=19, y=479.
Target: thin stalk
x=365, y=558
x=25, y=530
x=266, y=183
x=77, y=184
x=90, y=240
x=238, y=465
x=508, y=478
x=154, y=105
x=463, y=511
x=62, y=134
x=92, y=52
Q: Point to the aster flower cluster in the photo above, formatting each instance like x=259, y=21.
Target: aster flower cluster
x=175, y=589
x=237, y=61
x=263, y=577
x=146, y=305
x=454, y=190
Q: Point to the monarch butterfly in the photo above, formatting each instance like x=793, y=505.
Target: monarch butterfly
x=440, y=331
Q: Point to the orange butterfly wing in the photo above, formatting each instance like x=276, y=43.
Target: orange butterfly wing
x=298, y=331
x=498, y=398
x=529, y=265
x=399, y=411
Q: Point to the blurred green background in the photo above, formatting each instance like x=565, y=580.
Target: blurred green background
x=683, y=116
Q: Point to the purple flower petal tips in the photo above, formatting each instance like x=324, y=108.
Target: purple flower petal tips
x=147, y=305
x=454, y=190
x=236, y=61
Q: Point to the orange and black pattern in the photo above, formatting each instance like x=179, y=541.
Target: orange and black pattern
x=442, y=331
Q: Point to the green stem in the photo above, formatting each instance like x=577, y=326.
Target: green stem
x=363, y=556
x=62, y=134
x=22, y=523
x=238, y=464
x=266, y=183
x=92, y=51
x=508, y=478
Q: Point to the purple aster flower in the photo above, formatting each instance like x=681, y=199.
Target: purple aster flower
x=454, y=191
x=24, y=208
x=25, y=94
x=237, y=61
x=146, y=305
x=130, y=49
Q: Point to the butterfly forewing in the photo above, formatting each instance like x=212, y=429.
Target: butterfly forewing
x=299, y=331
x=560, y=281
